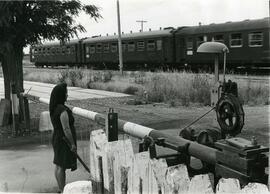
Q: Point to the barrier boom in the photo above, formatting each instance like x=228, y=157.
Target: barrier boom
x=202, y=152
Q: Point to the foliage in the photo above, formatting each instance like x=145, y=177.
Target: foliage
x=29, y=22
x=176, y=88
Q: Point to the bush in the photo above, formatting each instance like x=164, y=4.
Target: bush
x=184, y=87
x=131, y=90
x=254, y=93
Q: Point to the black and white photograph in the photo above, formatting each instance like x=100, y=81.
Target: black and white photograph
x=134, y=96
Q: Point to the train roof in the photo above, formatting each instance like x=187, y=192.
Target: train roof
x=134, y=35
x=57, y=43
x=225, y=27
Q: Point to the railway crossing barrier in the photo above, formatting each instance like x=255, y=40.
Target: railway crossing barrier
x=116, y=169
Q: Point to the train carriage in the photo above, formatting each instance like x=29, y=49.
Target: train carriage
x=140, y=50
x=248, y=42
x=55, y=54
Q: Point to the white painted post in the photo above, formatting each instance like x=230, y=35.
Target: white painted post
x=98, y=145
x=157, y=172
x=177, y=179
x=136, y=175
x=229, y=185
x=253, y=188
x=201, y=184
x=108, y=170
x=79, y=187
x=123, y=155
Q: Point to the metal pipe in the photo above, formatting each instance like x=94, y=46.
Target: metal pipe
x=224, y=67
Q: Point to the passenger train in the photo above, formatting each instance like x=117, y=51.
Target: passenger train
x=176, y=48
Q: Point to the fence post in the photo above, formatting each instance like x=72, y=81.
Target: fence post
x=123, y=155
x=112, y=126
x=98, y=144
x=26, y=114
x=15, y=111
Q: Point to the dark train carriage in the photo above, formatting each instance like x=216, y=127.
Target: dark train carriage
x=142, y=49
x=248, y=42
x=54, y=54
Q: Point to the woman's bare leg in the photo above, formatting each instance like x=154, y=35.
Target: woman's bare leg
x=60, y=175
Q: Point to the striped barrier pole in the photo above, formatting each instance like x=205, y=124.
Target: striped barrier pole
x=200, y=151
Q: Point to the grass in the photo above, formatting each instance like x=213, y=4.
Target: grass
x=175, y=88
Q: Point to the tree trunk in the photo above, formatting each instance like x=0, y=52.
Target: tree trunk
x=13, y=70
x=7, y=78
x=13, y=74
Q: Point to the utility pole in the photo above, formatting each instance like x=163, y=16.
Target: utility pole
x=119, y=39
x=141, y=21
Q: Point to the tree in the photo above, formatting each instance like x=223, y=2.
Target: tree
x=29, y=22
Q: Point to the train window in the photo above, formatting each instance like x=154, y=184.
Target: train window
x=200, y=40
x=87, y=49
x=72, y=49
x=159, y=45
x=68, y=50
x=106, y=48
x=140, y=46
x=114, y=47
x=151, y=45
x=52, y=50
x=124, y=47
x=48, y=51
x=63, y=49
x=190, y=44
x=131, y=46
x=255, y=39
x=219, y=38
x=92, y=49
x=236, y=40
x=99, y=48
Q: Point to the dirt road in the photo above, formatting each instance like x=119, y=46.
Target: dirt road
x=30, y=169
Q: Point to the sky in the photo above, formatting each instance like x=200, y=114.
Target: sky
x=168, y=13
x=174, y=13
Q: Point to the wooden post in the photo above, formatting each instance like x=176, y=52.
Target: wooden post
x=201, y=184
x=98, y=143
x=108, y=167
x=177, y=179
x=26, y=113
x=228, y=186
x=137, y=173
x=15, y=111
x=122, y=161
x=257, y=188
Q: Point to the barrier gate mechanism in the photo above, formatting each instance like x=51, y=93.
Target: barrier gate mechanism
x=224, y=95
x=234, y=157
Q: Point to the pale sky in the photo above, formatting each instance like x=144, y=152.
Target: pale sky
x=168, y=13
x=174, y=13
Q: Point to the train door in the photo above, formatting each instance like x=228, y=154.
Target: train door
x=182, y=51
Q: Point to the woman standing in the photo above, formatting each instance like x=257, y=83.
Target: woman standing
x=63, y=124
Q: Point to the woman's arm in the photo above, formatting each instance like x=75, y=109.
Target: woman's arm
x=66, y=128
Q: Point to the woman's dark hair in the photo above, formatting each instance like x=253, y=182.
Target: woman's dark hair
x=58, y=96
